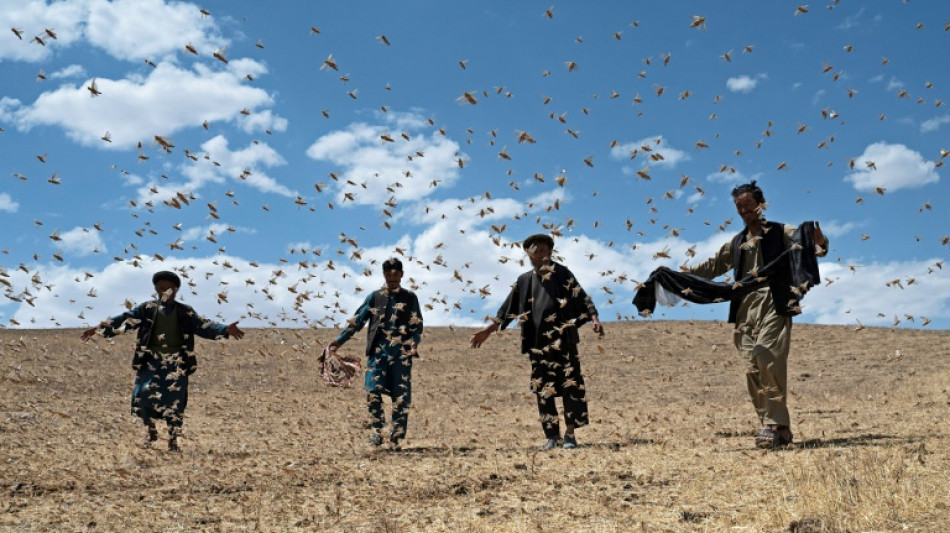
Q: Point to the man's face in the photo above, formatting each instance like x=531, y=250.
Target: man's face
x=393, y=277
x=748, y=208
x=165, y=290
x=540, y=254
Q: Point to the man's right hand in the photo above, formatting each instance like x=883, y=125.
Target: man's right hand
x=86, y=335
x=478, y=338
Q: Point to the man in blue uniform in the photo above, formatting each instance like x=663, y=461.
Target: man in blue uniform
x=395, y=331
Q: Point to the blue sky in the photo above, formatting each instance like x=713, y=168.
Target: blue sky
x=445, y=134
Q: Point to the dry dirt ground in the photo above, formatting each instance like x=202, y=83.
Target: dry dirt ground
x=269, y=447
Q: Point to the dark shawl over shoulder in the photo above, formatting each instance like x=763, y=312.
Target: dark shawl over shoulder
x=799, y=260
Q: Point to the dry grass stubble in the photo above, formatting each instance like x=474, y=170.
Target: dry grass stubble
x=268, y=447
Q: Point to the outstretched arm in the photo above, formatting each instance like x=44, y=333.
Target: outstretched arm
x=124, y=322
x=510, y=308
x=716, y=265
x=482, y=335
x=354, y=324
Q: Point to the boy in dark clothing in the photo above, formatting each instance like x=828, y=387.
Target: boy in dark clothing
x=395, y=330
x=164, y=354
x=549, y=305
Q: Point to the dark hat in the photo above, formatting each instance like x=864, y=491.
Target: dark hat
x=165, y=275
x=392, y=264
x=538, y=238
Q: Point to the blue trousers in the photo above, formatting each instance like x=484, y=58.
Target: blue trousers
x=389, y=372
x=160, y=392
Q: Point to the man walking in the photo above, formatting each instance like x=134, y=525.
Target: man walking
x=549, y=305
x=763, y=317
x=395, y=330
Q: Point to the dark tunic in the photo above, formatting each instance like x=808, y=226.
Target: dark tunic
x=549, y=307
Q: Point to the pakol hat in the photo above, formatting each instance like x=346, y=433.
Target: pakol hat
x=165, y=275
x=536, y=239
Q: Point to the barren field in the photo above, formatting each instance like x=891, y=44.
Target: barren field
x=268, y=447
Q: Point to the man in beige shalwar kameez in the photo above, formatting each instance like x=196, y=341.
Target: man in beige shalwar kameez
x=763, y=318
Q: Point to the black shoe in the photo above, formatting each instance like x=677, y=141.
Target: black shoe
x=773, y=439
x=151, y=435
x=551, y=444
x=375, y=439
x=570, y=442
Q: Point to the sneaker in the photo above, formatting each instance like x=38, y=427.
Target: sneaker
x=570, y=442
x=551, y=444
x=375, y=439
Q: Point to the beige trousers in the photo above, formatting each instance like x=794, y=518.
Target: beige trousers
x=765, y=346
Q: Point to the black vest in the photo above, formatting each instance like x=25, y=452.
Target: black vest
x=403, y=316
x=188, y=362
x=780, y=280
x=575, y=309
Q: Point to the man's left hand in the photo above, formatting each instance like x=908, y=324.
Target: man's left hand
x=598, y=327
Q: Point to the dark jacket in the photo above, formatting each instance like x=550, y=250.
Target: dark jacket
x=578, y=309
x=408, y=324
x=142, y=319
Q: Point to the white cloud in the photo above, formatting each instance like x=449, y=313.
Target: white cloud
x=7, y=203
x=833, y=228
x=201, y=232
x=72, y=71
x=8, y=107
x=81, y=242
x=864, y=294
x=158, y=103
x=744, y=83
x=234, y=163
x=34, y=17
x=125, y=29
x=695, y=198
x=320, y=287
x=217, y=163
x=934, y=124
x=897, y=167
x=141, y=29
x=819, y=94
x=852, y=21
x=664, y=154
x=261, y=122
x=365, y=158
x=894, y=83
